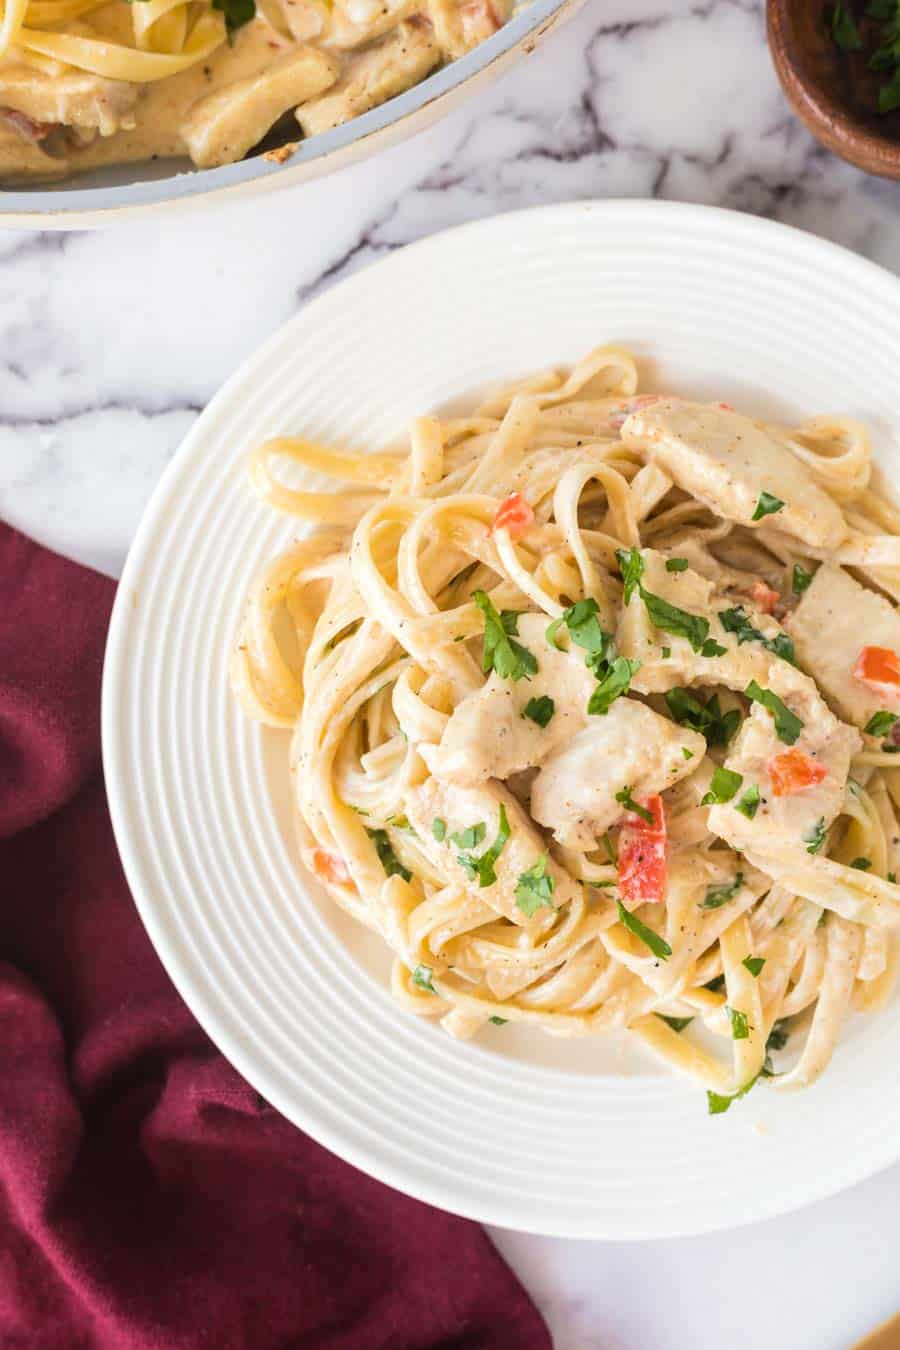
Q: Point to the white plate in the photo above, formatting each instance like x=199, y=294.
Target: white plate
x=576, y=1138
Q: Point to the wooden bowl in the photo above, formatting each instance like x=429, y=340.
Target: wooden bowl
x=833, y=92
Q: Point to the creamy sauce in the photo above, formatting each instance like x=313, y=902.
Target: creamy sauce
x=697, y=787
x=162, y=107
x=66, y=120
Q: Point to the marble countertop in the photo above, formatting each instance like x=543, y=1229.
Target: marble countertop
x=112, y=342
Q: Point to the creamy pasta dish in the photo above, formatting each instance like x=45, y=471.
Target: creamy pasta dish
x=595, y=701
x=85, y=83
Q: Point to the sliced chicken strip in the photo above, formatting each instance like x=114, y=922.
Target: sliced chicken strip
x=794, y=820
x=222, y=127
x=835, y=618
x=374, y=76
x=783, y=836
x=574, y=793
x=778, y=822
x=639, y=638
x=729, y=462
x=481, y=18
x=73, y=98
x=489, y=736
x=460, y=808
x=355, y=24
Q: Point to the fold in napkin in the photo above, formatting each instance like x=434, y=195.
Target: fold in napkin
x=148, y=1196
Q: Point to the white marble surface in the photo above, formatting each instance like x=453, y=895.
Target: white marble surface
x=112, y=342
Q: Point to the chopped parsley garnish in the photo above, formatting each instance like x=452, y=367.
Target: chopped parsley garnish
x=499, y=1021
x=631, y=565
x=718, y=1103
x=501, y=652
x=800, y=579
x=861, y=864
x=676, y=1023
x=888, y=94
x=778, y=1036
x=540, y=710
x=392, y=865
x=676, y=565
x=421, y=976
x=688, y=754
x=723, y=785
x=778, y=1039
x=787, y=724
x=749, y=802
x=237, y=12
x=885, y=59
x=535, y=888
x=843, y=27
x=712, y=648
x=716, y=985
x=469, y=837
x=815, y=838
x=740, y=1029
x=481, y=868
x=782, y=646
x=688, y=711
x=439, y=829
x=767, y=505
x=630, y=804
x=717, y=896
x=708, y=719
x=736, y=621
x=676, y=621
x=880, y=723
x=551, y=631
x=892, y=878
x=754, y=964
x=616, y=681
x=610, y=848
x=658, y=946
x=585, y=631
x=666, y=653
x=614, y=673
x=662, y=614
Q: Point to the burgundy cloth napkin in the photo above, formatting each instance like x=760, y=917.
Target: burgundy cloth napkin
x=149, y=1198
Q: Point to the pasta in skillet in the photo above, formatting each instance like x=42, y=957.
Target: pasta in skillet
x=595, y=697
x=92, y=82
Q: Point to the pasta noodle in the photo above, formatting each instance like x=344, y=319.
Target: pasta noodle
x=592, y=697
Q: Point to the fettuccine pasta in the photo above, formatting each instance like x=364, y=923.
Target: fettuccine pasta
x=594, y=699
